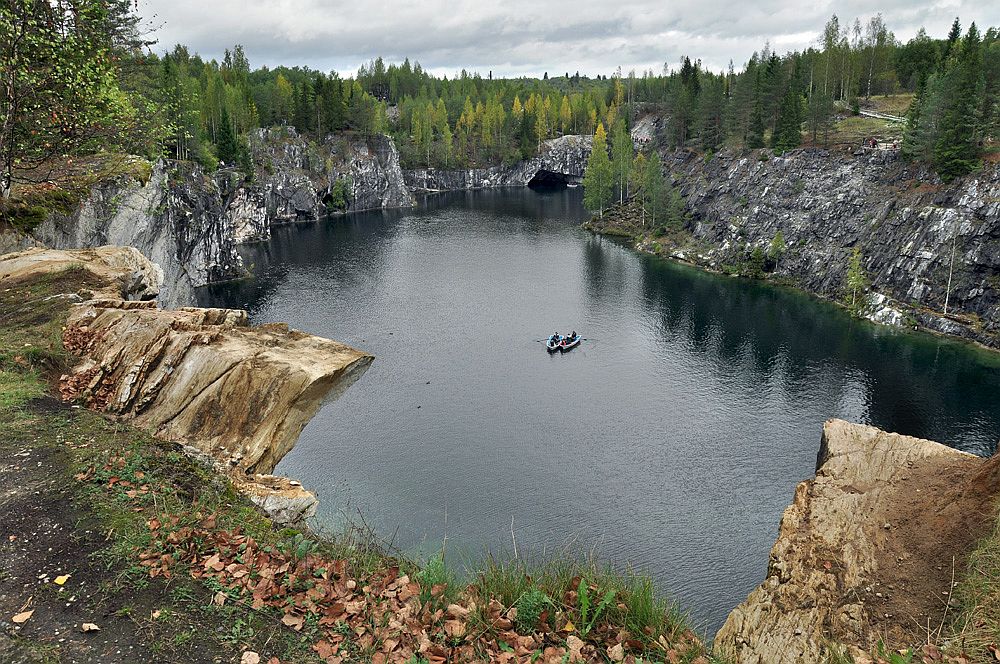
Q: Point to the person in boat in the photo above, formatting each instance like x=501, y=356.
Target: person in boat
x=572, y=335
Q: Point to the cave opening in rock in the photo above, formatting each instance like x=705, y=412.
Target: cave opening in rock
x=548, y=180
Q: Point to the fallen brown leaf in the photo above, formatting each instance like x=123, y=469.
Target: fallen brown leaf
x=22, y=617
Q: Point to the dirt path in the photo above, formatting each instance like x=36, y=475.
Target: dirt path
x=51, y=532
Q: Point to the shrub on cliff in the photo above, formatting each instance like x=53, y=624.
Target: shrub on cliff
x=855, y=283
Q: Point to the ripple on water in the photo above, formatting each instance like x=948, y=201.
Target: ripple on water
x=671, y=440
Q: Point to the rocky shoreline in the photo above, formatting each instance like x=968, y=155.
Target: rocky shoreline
x=237, y=395
x=190, y=222
x=913, y=232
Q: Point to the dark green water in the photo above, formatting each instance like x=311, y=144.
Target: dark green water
x=671, y=440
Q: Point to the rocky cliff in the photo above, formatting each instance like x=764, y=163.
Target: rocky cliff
x=190, y=222
x=914, y=232
x=237, y=394
x=562, y=159
x=296, y=177
x=177, y=218
x=867, y=551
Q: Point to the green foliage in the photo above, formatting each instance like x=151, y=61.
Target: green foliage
x=25, y=216
x=955, y=106
x=855, y=282
x=788, y=129
x=957, y=150
x=621, y=158
x=88, y=87
x=977, y=615
x=530, y=606
x=598, y=178
x=776, y=249
x=297, y=547
x=892, y=656
x=755, y=135
x=228, y=150
x=337, y=200
x=589, y=615
x=820, y=116
x=437, y=585
x=60, y=93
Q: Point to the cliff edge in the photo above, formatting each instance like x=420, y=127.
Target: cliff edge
x=868, y=550
x=237, y=394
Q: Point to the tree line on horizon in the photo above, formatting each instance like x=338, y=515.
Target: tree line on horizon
x=82, y=76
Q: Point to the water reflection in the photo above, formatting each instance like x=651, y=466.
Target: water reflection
x=671, y=439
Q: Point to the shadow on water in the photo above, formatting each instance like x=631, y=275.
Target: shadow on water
x=671, y=440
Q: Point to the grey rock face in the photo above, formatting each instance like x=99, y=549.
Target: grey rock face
x=565, y=156
x=906, y=222
x=177, y=219
x=295, y=176
x=190, y=222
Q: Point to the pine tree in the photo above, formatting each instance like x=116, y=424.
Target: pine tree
x=598, y=178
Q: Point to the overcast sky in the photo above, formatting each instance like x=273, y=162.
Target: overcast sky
x=527, y=37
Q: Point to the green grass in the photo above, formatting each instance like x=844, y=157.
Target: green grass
x=852, y=130
x=893, y=104
x=26, y=214
x=634, y=606
x=976, y=625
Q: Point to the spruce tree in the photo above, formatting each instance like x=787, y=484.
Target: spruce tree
x=953, y=36
x=755, y=132
x=957, y=150
x=788, y=128
x=226, y=145
x=910, y=148
x=303, y=107
x=820, y=115
x=598, y=178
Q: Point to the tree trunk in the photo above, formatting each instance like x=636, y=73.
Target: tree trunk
x=871, y=71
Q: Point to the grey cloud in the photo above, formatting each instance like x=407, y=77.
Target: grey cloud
x=522, y=37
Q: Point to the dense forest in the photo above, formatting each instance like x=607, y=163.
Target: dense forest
x=80, y=75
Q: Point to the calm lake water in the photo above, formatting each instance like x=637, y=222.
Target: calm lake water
x=670, y=440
